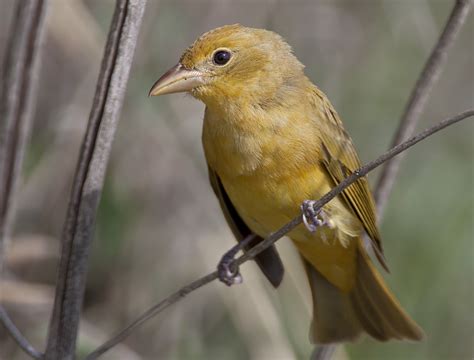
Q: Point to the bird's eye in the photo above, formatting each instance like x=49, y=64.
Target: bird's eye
x=221, y=57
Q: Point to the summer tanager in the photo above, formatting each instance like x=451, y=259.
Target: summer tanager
x=273, y=140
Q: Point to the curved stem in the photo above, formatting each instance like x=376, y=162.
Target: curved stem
x=417, y=100
x=250, y=254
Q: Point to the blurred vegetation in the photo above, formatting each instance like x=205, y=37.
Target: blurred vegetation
x=160, y=226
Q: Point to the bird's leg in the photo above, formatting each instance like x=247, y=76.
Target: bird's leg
x=227, y=270
x=313, y=219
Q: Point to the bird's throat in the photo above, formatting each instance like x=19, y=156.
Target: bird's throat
x=233, y=147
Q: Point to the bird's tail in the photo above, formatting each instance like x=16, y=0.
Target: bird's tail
x=369, y=307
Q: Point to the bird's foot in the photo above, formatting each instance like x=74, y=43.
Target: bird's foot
x=227, y=269
x=313, y=219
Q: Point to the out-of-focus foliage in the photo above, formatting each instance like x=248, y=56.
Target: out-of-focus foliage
x=160, y=226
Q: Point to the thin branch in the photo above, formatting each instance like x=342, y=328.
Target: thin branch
x=89, y=178
x=151, y=312
x=17, y=102
x=19, y=338
x=364, y=170
x=408, y=124
x=250, y=254
x=413, y=111
x=409, y=120
x=418, y=97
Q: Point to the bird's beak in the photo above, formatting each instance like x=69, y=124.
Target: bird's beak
x=177, y=79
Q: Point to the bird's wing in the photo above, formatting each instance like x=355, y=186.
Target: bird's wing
x=268, y=260
x=340, y=160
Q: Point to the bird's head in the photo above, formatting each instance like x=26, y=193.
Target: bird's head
x=232, y=62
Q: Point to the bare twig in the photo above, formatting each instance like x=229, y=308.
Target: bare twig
x=250, y=254
x=17, y=102
x=19, y=338
x=418, y=97
x=410, y=118
x=151, y=312
x=413, y=111
x=89, y=178
x=364, y=170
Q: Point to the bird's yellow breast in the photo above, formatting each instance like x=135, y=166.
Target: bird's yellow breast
x=268, y=171
x=258, y=164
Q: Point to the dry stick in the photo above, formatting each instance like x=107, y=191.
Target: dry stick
x=409, y=120
x=364, y=170
x=417, y=100
x=17, y=104
x=250, y=254
x=17, y=100
x=427, y=79
x=89, y=178
x=22, y=342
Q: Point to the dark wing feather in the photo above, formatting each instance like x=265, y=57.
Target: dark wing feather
x=268, y=260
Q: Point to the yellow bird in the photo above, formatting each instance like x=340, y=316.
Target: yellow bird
x=272, y=141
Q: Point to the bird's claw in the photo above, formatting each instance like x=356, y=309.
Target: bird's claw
x=312, y=219
x=228, y=271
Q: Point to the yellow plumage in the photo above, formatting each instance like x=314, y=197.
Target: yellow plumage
x=272, y=140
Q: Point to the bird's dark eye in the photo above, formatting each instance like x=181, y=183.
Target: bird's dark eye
x=221, y=57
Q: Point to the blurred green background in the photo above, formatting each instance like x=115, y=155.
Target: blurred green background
x=159, y=223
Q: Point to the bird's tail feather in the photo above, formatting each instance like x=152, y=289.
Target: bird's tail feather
x=369, y=307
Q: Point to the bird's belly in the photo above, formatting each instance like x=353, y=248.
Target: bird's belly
x=267, y=203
